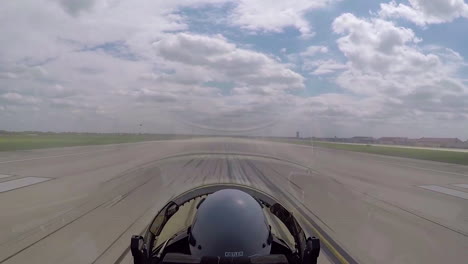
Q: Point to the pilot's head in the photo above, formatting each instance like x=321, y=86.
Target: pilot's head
x=230, y=223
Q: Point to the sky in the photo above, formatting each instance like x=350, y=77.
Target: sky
x=251, y=67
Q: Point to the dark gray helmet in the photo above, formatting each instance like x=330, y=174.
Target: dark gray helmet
x=230, y=223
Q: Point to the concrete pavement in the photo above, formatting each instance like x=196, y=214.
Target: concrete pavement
x=96, y=197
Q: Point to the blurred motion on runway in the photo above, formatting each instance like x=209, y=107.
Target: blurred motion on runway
x=82, y=204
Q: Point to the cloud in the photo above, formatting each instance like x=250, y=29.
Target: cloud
x=313, y=50
x=326, y=66
x=274, y=16
x=258, y=86
x=93, y=66
x=74, y=7
x=220, y=60
x=18, y=99
x=385, y=61
x=52, y=29
x=92, y=70
x=379, y=46
x=423, y=12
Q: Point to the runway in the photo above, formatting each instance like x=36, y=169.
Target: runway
x=82, y=204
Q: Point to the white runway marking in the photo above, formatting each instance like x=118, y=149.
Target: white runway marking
x=462, y=185
x=444, y=190
x=4, y=176
x=18, y=183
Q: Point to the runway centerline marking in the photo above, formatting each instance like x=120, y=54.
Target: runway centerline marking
x=461, y=185
x=18, y=183
x=444, y=190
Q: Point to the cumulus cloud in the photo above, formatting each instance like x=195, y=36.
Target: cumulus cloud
x=274, y=16
x=385, y=60
x=423, y=12
x=379, y=46
x=221, y=60
x=92, y=70
x=258, y=83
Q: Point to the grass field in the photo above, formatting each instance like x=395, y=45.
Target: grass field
x=27, y=141
x=414, y=153
x=22, y=141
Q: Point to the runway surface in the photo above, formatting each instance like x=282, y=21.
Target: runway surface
x=82, y=204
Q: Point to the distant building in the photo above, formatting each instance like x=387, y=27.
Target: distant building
x=439, y=142
x=393, y=140
x=297, y=134
x=364, y=140
x=421, y=142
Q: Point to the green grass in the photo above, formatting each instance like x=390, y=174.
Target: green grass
x=23, y=141
x=20, y=141
x=414, y=153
